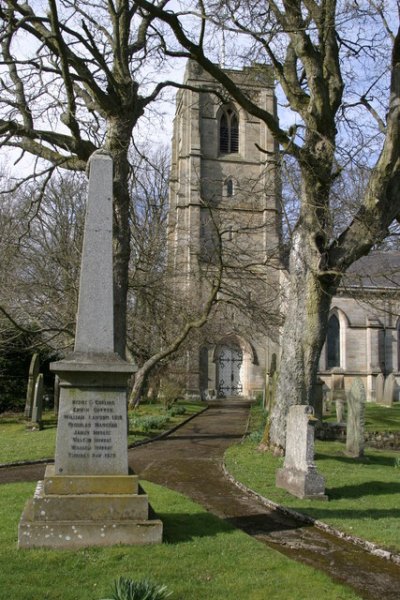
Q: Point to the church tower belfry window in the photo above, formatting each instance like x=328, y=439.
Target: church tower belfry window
x=228, y=131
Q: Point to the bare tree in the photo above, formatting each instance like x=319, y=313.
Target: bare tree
x=320, y=52
x=39, y=274
x=41, y=249
x=72, y=82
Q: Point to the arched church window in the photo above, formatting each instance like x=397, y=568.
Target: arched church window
x=333, y=343
x=228, y=131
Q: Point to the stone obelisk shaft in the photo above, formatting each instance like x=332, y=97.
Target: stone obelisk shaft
x=95, y=322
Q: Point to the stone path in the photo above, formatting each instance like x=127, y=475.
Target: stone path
x=190, y=461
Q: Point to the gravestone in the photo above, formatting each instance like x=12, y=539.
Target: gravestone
x=380, y=383
x=355, y=419
x=339, y=397
x=299, y=474
x=337, y=394
x=326, y=403
x=37, y=409
x=89, y=498
x=33, y=373
x=389, y=390
x=337, y=379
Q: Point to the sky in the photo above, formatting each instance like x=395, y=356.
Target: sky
x=156, y=126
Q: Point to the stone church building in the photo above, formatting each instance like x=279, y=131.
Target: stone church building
x=224, y=226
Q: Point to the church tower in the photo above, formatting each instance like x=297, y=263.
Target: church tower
x=224, y=219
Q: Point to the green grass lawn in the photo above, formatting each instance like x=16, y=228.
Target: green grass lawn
x=364, y=495
x=17, y=443
x=203, y=558
x=378, y=417
x=382, y=418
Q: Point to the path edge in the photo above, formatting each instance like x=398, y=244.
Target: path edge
x=370, y=547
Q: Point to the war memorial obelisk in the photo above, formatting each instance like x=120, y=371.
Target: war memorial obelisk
x=88, y=497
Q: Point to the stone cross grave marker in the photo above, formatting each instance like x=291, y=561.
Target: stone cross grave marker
x=89, y=498
x=355, y=419
x=33, y=373
x=299, y=474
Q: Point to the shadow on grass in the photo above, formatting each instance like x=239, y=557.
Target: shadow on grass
x=376, y=459
x=204, y=436
x=185, y=527
x=49, y=423
x=181, y=527
x=140, y=434
x=259, y=524
x=369, y=488
x=343, y=513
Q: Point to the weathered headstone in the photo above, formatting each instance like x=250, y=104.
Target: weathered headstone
x=339, y=397
x=299, y=474
x=33, y=373
x=380, y=383
x=337, y=379
x=88, y=498
x=326, y=400
x=389, y=390
x=37, y=409
x=355, y=419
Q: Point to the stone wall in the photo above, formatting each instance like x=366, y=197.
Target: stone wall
x=388, y=440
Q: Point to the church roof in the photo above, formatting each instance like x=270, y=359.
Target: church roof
x=377, y=270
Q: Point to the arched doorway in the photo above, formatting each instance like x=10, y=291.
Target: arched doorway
x=229, y=370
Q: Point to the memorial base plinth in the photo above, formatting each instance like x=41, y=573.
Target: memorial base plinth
x=303, y=484
x=81, y=511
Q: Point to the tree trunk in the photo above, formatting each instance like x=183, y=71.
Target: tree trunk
x=122, y=238
x=118, y=139
x=307, y=310
x=140, y=378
